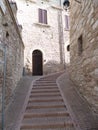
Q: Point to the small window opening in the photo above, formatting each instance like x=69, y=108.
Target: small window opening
x=68, y=48
x=80, y=45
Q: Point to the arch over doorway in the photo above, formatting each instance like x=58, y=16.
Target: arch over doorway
x=37, y=62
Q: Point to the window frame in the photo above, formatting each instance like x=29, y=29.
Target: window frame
x=42, y=16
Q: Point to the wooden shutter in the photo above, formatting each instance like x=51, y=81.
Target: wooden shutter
x=45, y=16
x=66, y=22
x=40, y=16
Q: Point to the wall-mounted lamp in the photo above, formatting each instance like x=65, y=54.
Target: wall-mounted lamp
x=66, y=3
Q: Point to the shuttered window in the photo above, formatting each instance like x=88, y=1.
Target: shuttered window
x=67, y=22
x=42, y=16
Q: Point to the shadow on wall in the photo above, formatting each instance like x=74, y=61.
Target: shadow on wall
x=52, y=66
x=27, y=70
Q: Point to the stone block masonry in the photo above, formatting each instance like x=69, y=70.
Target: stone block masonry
x=48, y=38
x=84, y=49
x=10, y=39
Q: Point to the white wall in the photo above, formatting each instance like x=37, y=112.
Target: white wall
x=35, y=36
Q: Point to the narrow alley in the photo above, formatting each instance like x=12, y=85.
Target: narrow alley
x=48, y=64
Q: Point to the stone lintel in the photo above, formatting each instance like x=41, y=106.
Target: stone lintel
x=42, y=24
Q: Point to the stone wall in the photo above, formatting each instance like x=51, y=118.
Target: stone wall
x=11, y=52
x=45, y=38
x=84, y=49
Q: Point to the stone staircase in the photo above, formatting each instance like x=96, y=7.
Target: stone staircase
x=45, y=109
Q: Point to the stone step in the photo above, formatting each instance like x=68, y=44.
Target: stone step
x=47, y=126
x=45, y=95
x=45, y=84
x=45, y=91
x=46, y=110
x=46, y=120
x=47, y=100
x=45, y=103
x=44, y=106
x=45, y=81
x=46, y=87
x=67, y=128
x=41, y=115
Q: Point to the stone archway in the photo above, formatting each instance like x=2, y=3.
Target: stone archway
x=37, y=62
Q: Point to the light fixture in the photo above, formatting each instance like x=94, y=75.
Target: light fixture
x=66, y=4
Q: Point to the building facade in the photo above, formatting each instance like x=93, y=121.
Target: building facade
x=43, y=35
x=84, y=49
x=11, y=52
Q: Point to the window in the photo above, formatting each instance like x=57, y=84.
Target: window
x=80, y=45
x=66, y=22
x=68, y=48
x=42, y=16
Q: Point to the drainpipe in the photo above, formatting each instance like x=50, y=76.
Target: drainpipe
x=61, y=38
x=63, y=43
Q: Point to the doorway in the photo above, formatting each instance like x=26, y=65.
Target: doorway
x=37, y=62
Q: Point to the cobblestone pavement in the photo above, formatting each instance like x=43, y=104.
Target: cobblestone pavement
x=51, y=103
